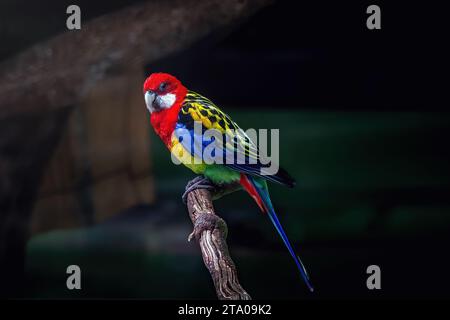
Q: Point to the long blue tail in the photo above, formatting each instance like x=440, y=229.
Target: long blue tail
x=263, y=192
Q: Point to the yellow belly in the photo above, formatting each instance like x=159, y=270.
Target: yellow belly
x=180, y=155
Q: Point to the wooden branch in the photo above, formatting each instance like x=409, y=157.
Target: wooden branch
x=211, y=232
x=62, y=70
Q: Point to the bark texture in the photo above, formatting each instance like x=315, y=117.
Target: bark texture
x=211, y=232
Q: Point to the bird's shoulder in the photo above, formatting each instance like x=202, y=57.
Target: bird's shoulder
x=196, y=107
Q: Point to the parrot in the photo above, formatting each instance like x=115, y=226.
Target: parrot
x=173, y=107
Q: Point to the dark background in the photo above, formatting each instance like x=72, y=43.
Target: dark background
x=364, y=125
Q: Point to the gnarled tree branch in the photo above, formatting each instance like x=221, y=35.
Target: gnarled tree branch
x=211, y=232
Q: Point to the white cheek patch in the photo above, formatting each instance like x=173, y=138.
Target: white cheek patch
x=166, y=101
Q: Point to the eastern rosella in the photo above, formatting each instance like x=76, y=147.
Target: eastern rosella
x=174, y=107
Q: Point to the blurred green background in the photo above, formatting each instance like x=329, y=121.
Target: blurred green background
x=372, y=188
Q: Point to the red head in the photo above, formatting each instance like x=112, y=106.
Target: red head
x=163, y=91
x=164, y=95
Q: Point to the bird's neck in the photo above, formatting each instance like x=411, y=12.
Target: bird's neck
x=164, y=121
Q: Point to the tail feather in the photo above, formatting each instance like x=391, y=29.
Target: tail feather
x=260, y=193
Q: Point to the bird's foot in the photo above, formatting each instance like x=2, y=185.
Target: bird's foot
x=207, y=222
x=199, y=182
x=217, y=191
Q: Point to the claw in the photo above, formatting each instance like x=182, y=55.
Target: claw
x=203, y=223
x=199, y=182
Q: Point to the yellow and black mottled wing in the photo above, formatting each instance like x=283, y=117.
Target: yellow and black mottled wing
x=200, y=109
x=235, y=143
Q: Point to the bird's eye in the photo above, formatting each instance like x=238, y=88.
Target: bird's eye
x=163, y=86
